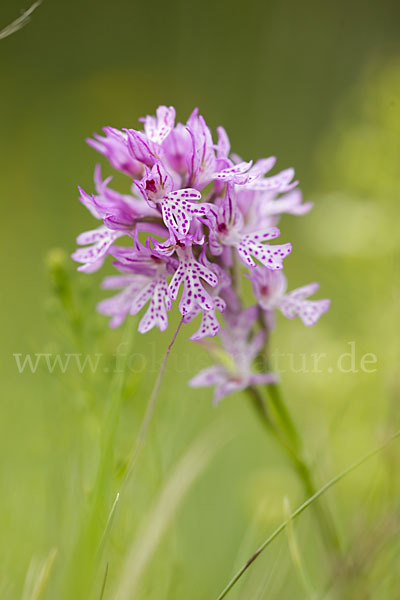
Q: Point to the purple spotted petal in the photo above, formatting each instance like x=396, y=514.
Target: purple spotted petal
x=190, y=272
x=179, y=208
x=156, y=314
x=159, y=127
x=209, y=325
x=98, y=243
x=279, y=182
x=230, y=173
x=252, y=247
x=119, y=306
x=309, y=311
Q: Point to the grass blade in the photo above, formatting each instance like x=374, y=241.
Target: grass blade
x=97, y=522
x=301, y=509
x=103, y=587
x=295, y=552
x=20, y=22
x=38, y=576
x=189, y=468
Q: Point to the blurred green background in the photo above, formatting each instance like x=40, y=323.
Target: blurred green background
x=316, y=84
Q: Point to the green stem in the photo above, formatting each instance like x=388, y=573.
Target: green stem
x=289, y=438
x=290, y=441
x=284, y=416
